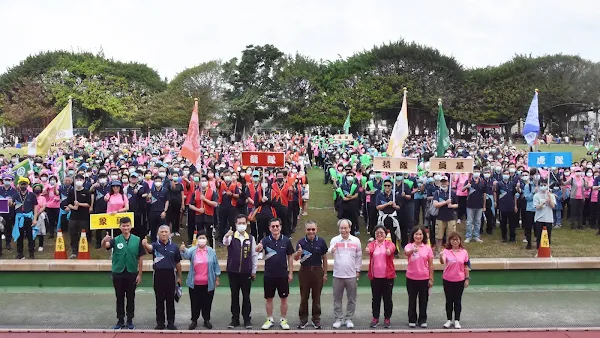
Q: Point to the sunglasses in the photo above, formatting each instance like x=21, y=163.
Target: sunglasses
x=387, y=185
x=275, y=226
x=311, y=229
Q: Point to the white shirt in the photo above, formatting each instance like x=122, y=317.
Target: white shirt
x=347, y=259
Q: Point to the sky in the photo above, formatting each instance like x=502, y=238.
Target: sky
x=171, y=36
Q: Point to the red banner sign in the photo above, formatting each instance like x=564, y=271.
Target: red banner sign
x=263, y=159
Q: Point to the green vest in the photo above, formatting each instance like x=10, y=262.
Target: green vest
x=126, y=254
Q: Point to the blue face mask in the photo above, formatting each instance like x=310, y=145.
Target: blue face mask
x=505, y=177
x=430, y=180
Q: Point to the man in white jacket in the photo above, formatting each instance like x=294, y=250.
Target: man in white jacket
x=347, y=260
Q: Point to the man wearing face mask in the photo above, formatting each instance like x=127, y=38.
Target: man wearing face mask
x=176, y=202
x=281, y=194
x=7, y=192
x=136, y=194
x=98, y=191
x=475, y=205
x=529, y=189
x=202, y=205
x=505, y=196
x=228, y=194
x=158, y=201
x=347, y=201
x=241, y=269
x=490, y=206
x=79, y=202
x=447, y=203
x=24, y=203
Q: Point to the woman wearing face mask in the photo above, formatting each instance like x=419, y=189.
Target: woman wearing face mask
x=202, y=279
x=40, y=209
x=577, y=198
x=587, y=212
x=52, y=204
x=595, y=201
x=116, y=201
x=544, y=203
x=529, y=188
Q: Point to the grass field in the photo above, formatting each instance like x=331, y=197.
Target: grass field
x=565, y=242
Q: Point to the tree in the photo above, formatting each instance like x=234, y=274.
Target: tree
x=28, y=106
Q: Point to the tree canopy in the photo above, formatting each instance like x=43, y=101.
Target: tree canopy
x=296, y=91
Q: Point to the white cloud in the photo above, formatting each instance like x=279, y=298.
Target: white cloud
x=170, y=36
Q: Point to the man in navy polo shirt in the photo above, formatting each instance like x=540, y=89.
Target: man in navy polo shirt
x=445, y=200
x=505, y=196
x=25, y=215
x=279, y=271
x=311, y=251
x=158, y=200
x=167, y=259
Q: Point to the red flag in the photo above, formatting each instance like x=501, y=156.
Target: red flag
x=191, y=147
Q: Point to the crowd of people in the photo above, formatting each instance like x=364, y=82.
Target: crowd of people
x=253, y=212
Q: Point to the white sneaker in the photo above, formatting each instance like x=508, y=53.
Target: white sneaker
x=412, y=325
x=284, y=324
x=448, y=324
x=457, y=325
x=40, y=249
x=468, y=240
x=337, y=324
x=268, y=324
x=349, y=324
x=424, y=325
x=177, y=234
x=525, y=240
x=260, y=255
x=478, y=240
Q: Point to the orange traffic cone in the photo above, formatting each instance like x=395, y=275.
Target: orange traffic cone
x=544, y=249
x=195, y=238
x=60, y=249
x=84, y=250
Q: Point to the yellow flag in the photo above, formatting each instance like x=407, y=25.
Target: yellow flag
x=61, y=128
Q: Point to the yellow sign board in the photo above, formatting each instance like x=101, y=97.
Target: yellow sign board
x=451, y=165
x=108, y=221
x=395, y=164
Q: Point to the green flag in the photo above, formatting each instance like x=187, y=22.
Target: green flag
x=443, y=140
x=347, y=124
x=21, y=170
x=60, y=166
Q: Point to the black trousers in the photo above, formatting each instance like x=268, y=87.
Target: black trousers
x=164, y=291
x=262, y=226
x=538, y=232
x=373, y=214
x=240, y=282
x=462, y=207
x=174, y=215
x=9, y=220
x=388, y=223
x=26, y=231
x=139, y=227
x=75, y=227
x=417, y=289
x=453, y=292
x=419, y=210
x=489, y=217
x=124, y=285
x=381, y=288
x=155, y=221
x=201, y=222
x=577, y=213
x=226, y=220
x=528, y=225
x=350, y=212
x=284, y=214
x=52, y=220
x=295, y=211
x=510, y=218
x=201, y=300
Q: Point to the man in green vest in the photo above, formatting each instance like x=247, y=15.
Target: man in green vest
x=126, y=270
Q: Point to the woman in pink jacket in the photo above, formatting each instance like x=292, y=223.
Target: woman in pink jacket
x=419, y=275
x=460, y=180
x=455, y=278
x=382, y=273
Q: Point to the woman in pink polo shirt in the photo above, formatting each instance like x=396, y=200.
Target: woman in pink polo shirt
x=578, y=187
x=116, y=201
x=460, y=180
x=419, y=275
x=455, y=277
x=382, y=274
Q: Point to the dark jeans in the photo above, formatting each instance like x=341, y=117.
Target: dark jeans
x=201, y=300
x=240, y=282
x=294, y=211
x=510, y=218
x=595, y=215
x=420, y=210
x=262, y=225
x=489, y=217
x=155, y=221
x=528, y=225
x=462, y=207
x=381, y=288
x=284, y=214
x=201, y=222
x=538, y=232
x=75, y=227
x=311, y=281
x=453, y=292
x=125, y=286
x=52, y=220
x=164, y=291
x=420, y=289
x=26, y=231
x=139, y=227
x=226, y=220
x=577, y=213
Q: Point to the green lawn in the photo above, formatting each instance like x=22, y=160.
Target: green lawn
x=565, y=243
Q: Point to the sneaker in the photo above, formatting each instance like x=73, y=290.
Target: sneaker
x=337, y=324
x=193, y=325
x=478, y=240
x=234, y=323
x=412, y=325
x=159, y=327
x=424, y=325
x=302, y=325
x=374, y=322
x=130, y=325
x=349, y=324
x=248, y=324
x=120, y=324
x=171, y=327
x=31, y=256
x=525, y=240
x=284, y=324
x=317, y=324
x=268, y=324
x=260, y=256
x=40, y=249
x=208, y=325
x=387, y=323
x=468, y=240
x=448, y=324
x=177, y=234
x=457, y=325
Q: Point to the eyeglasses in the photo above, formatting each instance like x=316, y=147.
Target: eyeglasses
x=275, y=226
x=387, y=185
x=311, y=229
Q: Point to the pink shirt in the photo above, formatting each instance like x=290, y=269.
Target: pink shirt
x=52, y=199
x=115, y=203
x=379, y=261
x=41, y=200
x=454, y=271
x=460, y=183
x=201, y=267
x=578, y=186
x=590, y=182
x=418, y=263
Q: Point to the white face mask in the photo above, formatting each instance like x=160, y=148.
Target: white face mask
x=79, y=183
x=202, y=242
x=241, y=227
x=204, y=184
x=102, y=181
x=186, y=172
x=158, y=184
x=162, y=174
x=43, y=179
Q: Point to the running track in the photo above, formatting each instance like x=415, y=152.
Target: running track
x=242, y=334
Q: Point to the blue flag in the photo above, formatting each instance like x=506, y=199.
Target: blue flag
x=532, y=123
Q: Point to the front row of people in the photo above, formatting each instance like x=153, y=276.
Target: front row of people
x=311, y=251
